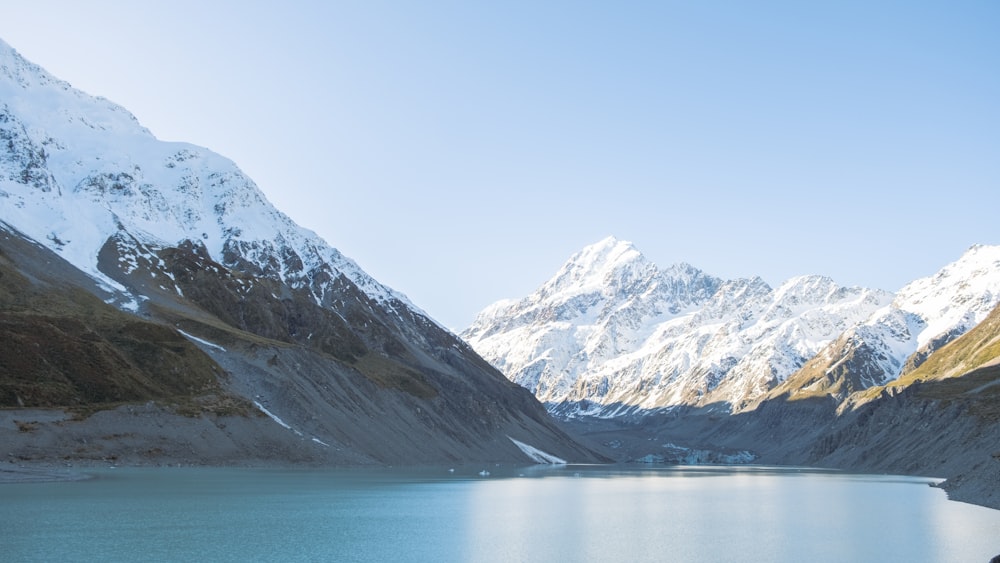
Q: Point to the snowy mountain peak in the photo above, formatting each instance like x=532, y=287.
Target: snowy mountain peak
x=681, y=270
x=666, y=337
x=618, y=272
x=806, y=284
x=75, y=170
x=598, y=265
x=970, y=274
x=66, y=110
x=808, y=290
x=606, y=244
x=954, y=299
x=17, y=70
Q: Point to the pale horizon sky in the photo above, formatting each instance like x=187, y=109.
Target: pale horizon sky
x=460, y=152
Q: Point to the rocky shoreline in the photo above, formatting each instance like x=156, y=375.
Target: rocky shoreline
x=906, y=434
x=48, y=445
x=902, y=435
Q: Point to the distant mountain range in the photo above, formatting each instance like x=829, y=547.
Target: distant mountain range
x=677, y=366
x=142, y=271
x=613, y=334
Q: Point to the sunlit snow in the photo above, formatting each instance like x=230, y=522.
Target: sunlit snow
x=611, y=332
x=80, y=169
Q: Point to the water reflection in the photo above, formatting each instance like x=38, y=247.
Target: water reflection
x=577, y=513
x=722, y=514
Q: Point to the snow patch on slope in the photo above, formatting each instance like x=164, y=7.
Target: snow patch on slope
x=201, y=341
x=537, y=455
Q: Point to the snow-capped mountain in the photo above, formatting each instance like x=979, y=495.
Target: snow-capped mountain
x=925, y=315
x=79, y=169
x=179, y=236
x=611, y=333
x=603, y=303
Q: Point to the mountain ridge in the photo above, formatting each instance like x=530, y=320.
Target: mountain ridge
x=738, y=345
x=924, y=316
x=333, y=366
x=214, y=201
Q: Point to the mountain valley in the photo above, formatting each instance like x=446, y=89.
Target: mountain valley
x=156, y=309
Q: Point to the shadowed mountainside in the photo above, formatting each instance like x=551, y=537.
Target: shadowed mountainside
x=64, y=347
x=204, y=288
x=221, y=348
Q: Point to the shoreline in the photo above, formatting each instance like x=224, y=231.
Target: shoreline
x=20, y=474
x=30, y=472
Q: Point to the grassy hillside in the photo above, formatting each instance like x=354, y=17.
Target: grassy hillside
x=967, y=369
x=977, y=348
x=60, y=345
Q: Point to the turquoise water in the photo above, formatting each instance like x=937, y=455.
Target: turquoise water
x=575, y=513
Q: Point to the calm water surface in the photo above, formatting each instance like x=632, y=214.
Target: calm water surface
x=575, y=513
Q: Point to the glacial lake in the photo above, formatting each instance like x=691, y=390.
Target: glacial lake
x=570, y=513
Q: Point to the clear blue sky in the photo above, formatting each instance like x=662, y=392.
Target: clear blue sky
x=462, y=151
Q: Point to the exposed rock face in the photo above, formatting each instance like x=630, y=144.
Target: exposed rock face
x=227, y=290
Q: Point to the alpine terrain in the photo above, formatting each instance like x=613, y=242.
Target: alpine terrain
x=676, y=366
x=612, y=334
x=155, y=307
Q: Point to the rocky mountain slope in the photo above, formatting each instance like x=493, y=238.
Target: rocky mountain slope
x=288, y=329
x=895, y=340
x=63, y=346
